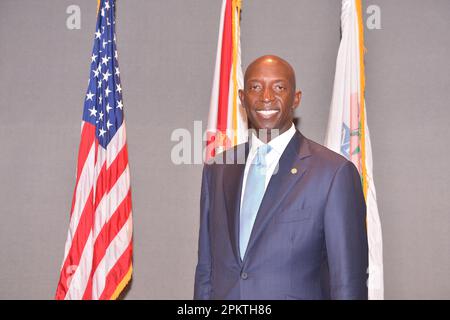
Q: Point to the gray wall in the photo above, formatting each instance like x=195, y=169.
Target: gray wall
x=166, y=52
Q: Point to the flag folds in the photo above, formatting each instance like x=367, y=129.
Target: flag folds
x=227, y=121
x=97, y=260
x=348, y=133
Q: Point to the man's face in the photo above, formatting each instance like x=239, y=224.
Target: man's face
x=269, y=96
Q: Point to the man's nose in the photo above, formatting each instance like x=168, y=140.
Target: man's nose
x=267, y=94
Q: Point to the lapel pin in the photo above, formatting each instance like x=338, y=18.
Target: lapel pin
x=294, y=170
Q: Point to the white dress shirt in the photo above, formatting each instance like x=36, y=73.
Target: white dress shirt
x=278, y=145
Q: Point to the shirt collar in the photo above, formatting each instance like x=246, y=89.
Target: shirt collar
x=278, y=144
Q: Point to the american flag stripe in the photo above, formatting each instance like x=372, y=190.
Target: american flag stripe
x=79, y=280
x=109, y=176
x=81, y=210
x=107, y=204
x=118, y=272
x=85, y=146
x=97, y=260
x=111, y=228
x=111, y=202
x=116, y=144
x=83, y=178
x=75, y=243
x=112, y=255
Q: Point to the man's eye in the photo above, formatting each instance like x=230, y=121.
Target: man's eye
x=280, y=87
x=254, y=87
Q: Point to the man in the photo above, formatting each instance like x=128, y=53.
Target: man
x=289, y=223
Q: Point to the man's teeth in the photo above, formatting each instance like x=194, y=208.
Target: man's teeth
x=267, y=112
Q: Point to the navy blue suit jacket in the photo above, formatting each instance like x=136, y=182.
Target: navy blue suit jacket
x=309, y=238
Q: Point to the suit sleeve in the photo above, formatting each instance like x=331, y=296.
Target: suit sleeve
x=346, y=235
x=202, y=287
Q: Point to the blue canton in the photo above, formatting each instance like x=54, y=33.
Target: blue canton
x=103, y=104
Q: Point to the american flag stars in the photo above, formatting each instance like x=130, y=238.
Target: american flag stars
x=103, y=103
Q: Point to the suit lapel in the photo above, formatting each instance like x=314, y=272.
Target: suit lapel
x=232, y=185
x=280, y=184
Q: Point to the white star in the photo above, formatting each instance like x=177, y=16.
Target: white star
x=107, y=22
x=108, y=124
x=93, y=112
x=103, y=12
x=102, y=132
x=96, y=72
x=107, y=5
x=119, y=89
x=119, y=105
x=89, y=96
x=100, y=100
x=93, y=58
x=104, y=44
x=100, y=116
x=106, y=75
x=99, y=83
x=98, y=34
x=117, y=71
x=115, y=54
x=108, y=107
x=105, y=59
x=107, y=91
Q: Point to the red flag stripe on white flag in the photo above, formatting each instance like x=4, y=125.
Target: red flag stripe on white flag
x=227, y=121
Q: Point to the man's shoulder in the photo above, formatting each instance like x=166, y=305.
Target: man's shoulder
x=323, y=156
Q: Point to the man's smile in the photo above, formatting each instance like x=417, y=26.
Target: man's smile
x=267, y=113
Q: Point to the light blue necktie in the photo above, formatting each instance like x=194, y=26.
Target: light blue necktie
x=253, y=194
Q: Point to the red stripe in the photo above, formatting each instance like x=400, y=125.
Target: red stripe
x=106, y=235
x=88, y=291
x=76, y=248
x=225, y=70
x=87, y=139
x=106, y=180
x=111, y=229
x=117, y=273
x=108, y=177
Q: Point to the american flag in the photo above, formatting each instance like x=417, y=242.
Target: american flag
x=98, y=253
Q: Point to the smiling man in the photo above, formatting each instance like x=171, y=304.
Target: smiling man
x=289, y=223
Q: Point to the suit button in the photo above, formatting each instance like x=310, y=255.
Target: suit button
x=244, y=275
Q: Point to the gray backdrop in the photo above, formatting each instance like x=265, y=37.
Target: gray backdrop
x=166, y=53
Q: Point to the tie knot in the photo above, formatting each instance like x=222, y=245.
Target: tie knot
x=261, y=154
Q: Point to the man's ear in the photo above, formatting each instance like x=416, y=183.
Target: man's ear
x=297, y=99
x=241, y=97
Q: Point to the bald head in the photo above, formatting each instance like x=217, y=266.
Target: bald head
x=269, y=96
x=272, y=62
